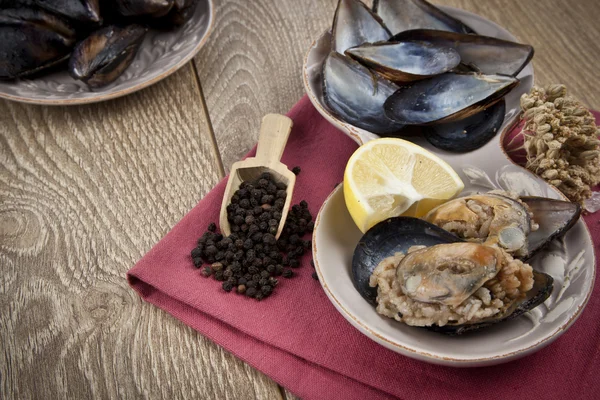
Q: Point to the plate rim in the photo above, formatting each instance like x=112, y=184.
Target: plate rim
x=123, y=92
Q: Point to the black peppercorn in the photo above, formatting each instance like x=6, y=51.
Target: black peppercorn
x=288, y=273
x=207, y=271
x=212, y=227
x=219, y=275
x=227, y=286
x=294, y=263
x=197, y=262
x=281, y=194
x=315, y=276
x=250, y=292
x=244, y=203
x=296, y=170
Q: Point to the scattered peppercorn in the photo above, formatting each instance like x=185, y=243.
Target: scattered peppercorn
x=288, y=273
x=296, y=170
x=251, y=257
x=315, y=276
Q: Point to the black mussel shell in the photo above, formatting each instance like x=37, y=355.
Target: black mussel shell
x=406, y=61
x=447, y=97
x=402, y=15
x=32, y=40
x=485, y=54
x=467, y=134
x=138, y=8
x=354, y=24
x=385, y=239
x=356, y=94
x=103, y=56
x=182, y=11
x=554, y=217
x=83, y=11
x=542, y=288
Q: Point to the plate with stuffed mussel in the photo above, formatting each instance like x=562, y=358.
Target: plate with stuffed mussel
x=436, y=245
x=85, y=51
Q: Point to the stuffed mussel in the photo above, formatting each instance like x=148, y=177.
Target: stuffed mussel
x=519, y=225
x=420, y=276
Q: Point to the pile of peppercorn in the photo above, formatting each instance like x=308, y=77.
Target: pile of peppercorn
x=249, y=259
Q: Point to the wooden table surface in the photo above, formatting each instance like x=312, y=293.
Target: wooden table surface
x=85, y=191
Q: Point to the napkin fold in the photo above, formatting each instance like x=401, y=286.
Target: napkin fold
x=298, y=338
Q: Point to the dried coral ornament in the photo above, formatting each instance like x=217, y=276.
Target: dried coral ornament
x=561, y=141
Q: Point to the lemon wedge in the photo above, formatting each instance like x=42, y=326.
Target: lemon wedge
x=389, y=177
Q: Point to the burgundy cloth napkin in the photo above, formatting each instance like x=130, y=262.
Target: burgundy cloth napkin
x=298, y=338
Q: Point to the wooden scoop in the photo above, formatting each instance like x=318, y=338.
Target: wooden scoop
x=274, y=133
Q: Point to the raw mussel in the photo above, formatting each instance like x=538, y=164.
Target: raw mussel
x=137, y=8
x=406, y=61
x=485, y=54
x=519, y=225
x=103, y=56
x=356, y=94
x=402, y=15
x=354, y=24
x=447, y=97
x=419, y=275
x=32, y=40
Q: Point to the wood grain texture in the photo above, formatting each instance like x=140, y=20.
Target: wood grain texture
x=252, y=64
x=84, y=193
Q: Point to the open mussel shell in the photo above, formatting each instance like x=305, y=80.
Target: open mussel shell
x=103, y=56
x=356, y=95
x=487, y=55
x=542, y=288
x=385, y=239
x=136, y=8
x=554, y=217
x=447, y=97
x=402, y=15
x=406, y=61
x=467, y=134
x=32, y=40
x=354, y=24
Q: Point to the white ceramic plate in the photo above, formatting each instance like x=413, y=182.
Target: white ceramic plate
x=161, y=54
x=570, y=261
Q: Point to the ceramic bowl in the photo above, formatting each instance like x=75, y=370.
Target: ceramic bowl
x=570, y=261
x=161, y=54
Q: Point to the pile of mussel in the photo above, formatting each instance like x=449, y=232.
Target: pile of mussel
x=407, y=66
x=98, y=40
x=432, y=270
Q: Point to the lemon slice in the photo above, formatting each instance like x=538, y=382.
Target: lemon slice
x=390, y=177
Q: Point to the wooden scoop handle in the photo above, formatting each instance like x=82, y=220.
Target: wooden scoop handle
x=274, y=132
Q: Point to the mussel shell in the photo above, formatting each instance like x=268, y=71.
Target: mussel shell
x=182, y=11
x=136, y=8
x=356, y=95
x=554, y=217
x=84, y=11
x=385, y=239
x=103, y=56
x=354, y=24
x=406, y=61
x=467, y=134
x=447, y=97
x=542, y=288
x=488, y=55
x=32, y=40
x=402, y=15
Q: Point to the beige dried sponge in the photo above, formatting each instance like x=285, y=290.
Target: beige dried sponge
x=561, y=140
